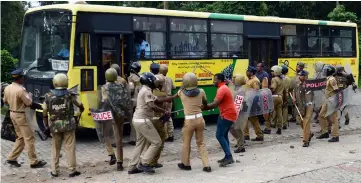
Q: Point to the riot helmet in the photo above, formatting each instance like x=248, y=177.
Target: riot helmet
x=163, y=69
x=277, y=70
x=284, y=69
x=239, y=80
x=60, y=81
x=111, y=75
x=190, y=81
x=117, y=68
x=339, y=69
x=154, y=68
x=148, y=79
x=135, y=67
x=329, y=70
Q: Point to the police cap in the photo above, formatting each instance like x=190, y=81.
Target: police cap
x=303, y=73
x=252, y=69
x=301, y=64
x=17, y=73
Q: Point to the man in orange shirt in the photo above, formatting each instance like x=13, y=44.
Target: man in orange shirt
x=227, y=117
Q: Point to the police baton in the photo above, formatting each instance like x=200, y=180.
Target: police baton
x=299, y=113
x=177, y=111
x=286, y=64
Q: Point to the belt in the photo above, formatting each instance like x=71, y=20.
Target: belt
x=276, y=95
x=193, y=116
x=17, y=111
x=156, y=118
x=141, y=120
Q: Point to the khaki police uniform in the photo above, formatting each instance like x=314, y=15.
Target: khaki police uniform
x=193, y=123
x=118, y=126
x=287, y=87
x=18, y=99
x=278, y=86
x=58, y=138
x=133, y=79
x=254, y=83
x=145, y=129
x=305, y=105
x=331, y=87
x=159, y=126
x=169, y=127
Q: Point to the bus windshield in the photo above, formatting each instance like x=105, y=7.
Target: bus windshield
x=46, y=35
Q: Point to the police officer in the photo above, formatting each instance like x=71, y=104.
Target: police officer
x=108, y=90
x=254, y=83
x=154, y=68
x=146, y=132
x=331, y=90
x=18, y=99
x=192, y=99
x=342, y=83
x=237, y=132
x=169, y=86
x=299, y=67
x=120, y=80
x=304, y=101
x=62, y=124
x=278, y=91
x=287, y=84
x=263, y=77
x=134, y=86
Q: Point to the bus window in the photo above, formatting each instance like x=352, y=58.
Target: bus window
x=342, y=44
x=108, y=51
x=227, y=39
x=188, y=38
x=292, y=38
x=149, y=37
x=82, y=52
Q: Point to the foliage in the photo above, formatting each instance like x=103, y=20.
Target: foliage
x=340, y=14
x=7, y=65
x=12, y=13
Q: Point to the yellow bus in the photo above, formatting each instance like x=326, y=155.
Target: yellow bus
x=82, y=40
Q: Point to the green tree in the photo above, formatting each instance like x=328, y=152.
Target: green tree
x=340, y=14
x=12, y=14
x=7, y=65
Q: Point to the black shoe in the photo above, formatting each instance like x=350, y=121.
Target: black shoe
x=284, y=127
x=112, y=160
x=273, y=126
x=306, y=144
x=54, y=174
x=293, y=119
x=114, y=146
x=40, y=164
x=257, y=139
x=207, y=169
x=323, y=136
x=334, y=139
x=226, y=162
x=157, y=165
x=135, y=171
x=146, y=168
x=265, y=131
x=183, y=167
x=170, y=139
x=239, y=150
x=309, y=139
x=246, y=137
x=279, y=131
x=76, y=173
x=131, y=143
x=329, y=131
x=347, y=122
x=120, y=166
x=13, y=163
x=221, y=160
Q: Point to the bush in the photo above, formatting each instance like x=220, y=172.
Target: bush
x=7, y=65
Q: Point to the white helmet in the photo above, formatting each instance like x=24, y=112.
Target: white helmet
x=277, y=70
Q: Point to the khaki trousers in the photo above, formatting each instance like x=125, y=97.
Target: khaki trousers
x=146, y=132
x=159, y=126
x=118, y=125
x=335, y=132
x=196, y=126
x=69, y=146
x=257, y=128
x=277, y=116
x=132, y=136
x=306, y=123
x=169, y=127
x=285, y=115
x=25, y=137
x=237, y=133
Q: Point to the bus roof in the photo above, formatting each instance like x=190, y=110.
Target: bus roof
x=176, y=13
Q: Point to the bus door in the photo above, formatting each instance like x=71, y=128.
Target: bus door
x=263, y=50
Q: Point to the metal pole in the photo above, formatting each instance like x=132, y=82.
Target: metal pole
x=165, y=5
x=299, y=113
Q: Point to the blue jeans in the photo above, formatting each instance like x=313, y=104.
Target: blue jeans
x=223, y=127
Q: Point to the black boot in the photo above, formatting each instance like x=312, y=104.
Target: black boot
x=135, y=171
x=246, y=137
x=112, y=160
x=265, y=131
x=226, y=161
x=285, y=127
x=183, y=167
x=13, y=163
x=279, y=131
x=306, y=144
x=207, y=169
x=347, y=121
x=146, y=168
x=257, y=139
x=131, y=143
x=334, y=139
x=76, y=173
x=170, y=139
x=221, y=160
x=120, y=166
x=323, y=136
x=40, y=164
x=239, y=150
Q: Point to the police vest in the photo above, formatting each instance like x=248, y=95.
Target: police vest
x=61, y=112
x=341, y=81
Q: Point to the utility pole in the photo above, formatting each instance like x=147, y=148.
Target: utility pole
x=337, y=3
x=165, y=5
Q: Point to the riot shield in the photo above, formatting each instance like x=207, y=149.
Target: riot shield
x=33, y=123
x=77, y=113
x=338, y=101
x=102, y=115
x=262, y=102
x=243, y=100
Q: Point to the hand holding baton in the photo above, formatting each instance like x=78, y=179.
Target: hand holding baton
x=299, y=113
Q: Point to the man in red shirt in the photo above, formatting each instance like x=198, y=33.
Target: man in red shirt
x=227, y=117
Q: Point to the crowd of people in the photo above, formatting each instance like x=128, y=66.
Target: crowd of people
x=146, y=100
